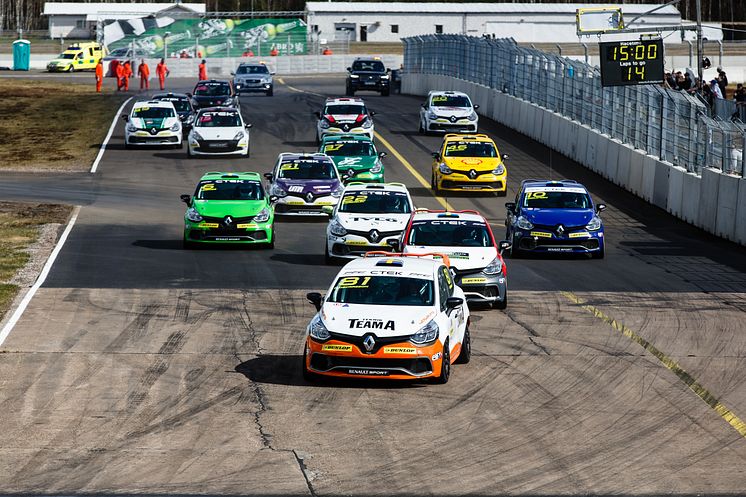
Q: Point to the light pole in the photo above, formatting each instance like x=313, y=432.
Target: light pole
x=700, y=45
x=165, y=44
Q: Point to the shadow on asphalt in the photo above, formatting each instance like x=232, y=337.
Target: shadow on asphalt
x=177, y=244
x=300, y=259
x=303, y=144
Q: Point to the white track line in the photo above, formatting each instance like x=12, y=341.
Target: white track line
x=40, y=280
x=108, y=136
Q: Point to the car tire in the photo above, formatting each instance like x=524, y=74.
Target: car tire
x=445, y=368
x=465, y=355
x=385, y=93
x=501, y=304
x=515, y=253
x=328, y=259
x=71, y=68
x=601, y=253
x=349, y=92
x=422, y=129
x=187, y=245
x=434, y=184
x=248, y=153
x=271, y=91
x=309, y=376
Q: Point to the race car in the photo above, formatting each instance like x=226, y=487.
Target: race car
x=183, y=106
x=368, y=217
x=469, y=163
x=213, y=93
x=229, y=208
x=344, y=116
x=303, y=184
x=218, y=131
x=253, y=77
x=448, y=111
x=354, y=156
x=154, y=122
x=395, y=316
x=466, y=238
x=554, y=216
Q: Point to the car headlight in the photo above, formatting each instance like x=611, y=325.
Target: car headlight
x=336, y=228
x=473, y=116
x=494, y=267
x=324, y=124
x=498, y=170
x=377, y=167
x=337, y=192
x=193, y=215
x=228, y=101
x=239, y=135
x=523, y=223
x=385, y=76
x=277, y=191
x=594, y=225
x=354, y=76
x=176, y=126
x=426, y=334
x=317, y=329
x=131, y=127
x=197, y=136
x=368, y=123
x=444, y=169
x=432, y=115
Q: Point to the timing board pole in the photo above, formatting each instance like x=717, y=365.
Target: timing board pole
x=700, y=48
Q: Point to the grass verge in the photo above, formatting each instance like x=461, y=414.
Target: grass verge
x=20, y=223
x=52, y=126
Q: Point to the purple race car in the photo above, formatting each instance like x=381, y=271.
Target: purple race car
x=304, y=183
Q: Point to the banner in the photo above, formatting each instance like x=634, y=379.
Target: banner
x=199, y=38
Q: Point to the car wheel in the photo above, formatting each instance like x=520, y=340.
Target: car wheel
x=434, y=184
x=248, y=153
x=515, y=253
x=445, y=368
x=71, y=68
x=309, y=376
x=465, y=355
x=422, y=129
x=501, y=304
x=385, y=93
x=349, y=92
x=328, y=259
x=187, y=245
x=600, y=254
x=270, y=92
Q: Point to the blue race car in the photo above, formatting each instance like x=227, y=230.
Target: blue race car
x=554, y=216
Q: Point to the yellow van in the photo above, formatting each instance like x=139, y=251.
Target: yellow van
x=77, y=57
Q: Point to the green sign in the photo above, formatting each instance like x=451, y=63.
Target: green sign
x=219, y=38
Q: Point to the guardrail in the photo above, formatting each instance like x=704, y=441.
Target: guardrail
x=669, y=124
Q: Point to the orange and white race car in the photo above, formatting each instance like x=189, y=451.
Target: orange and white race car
x=389, y=316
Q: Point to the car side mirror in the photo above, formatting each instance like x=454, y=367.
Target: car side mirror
x=247, y=126
x=436, y=155
x=272, y=73
x=424, y=106
x=382, y=154
x=506, y=157
x=273, y=199
x=317, y=114
x=394, y=244
x=316, y=299
x=503, y=246
x=349, y=69
x=372, y=112
x=453, y=302
x=187, y=199
x=232, y=73
x=476, y=107
x=125, y=117
x=600, y=207
x=268, y=176
x=189, y=95
x=328, y=210
x=510, y=206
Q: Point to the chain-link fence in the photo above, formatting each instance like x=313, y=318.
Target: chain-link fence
x=672, y=125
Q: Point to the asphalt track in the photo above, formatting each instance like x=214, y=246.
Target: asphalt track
x=142, y=368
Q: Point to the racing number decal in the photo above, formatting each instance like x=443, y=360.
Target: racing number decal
x=208, y=187
x=333, y=148
x=535, y=195
x=456, y=148
x=352, y=199
x=354, y=282
x=289, y=167
x=440, y=98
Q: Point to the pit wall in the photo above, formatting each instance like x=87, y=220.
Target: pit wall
x=714, y=202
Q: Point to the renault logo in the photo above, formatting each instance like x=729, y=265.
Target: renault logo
x=472, y=174
x=228, y=221
x=560, y=230
x=453, y=119
x=346, y=127
x=369, y=343
x=374, y=235
x=309, y=197
x=153, y=131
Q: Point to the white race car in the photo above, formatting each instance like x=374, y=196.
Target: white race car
x=343, y=116
x=219, y=131
x=448, y=112
x=367, y=218
x=394, y=316
x=154, y=122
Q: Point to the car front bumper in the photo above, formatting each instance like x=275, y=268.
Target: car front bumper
x=163, y=137
x=249, y=87
x=366, y=84
x=219, y=147
x=352, y=246
x=296, y=206
x=243, y=233
x=480, y=287
x=364, y=175
x=442, y=125
x=457, y=181
x=544, y=241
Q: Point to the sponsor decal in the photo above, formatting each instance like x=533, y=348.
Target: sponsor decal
x=227, y=239
x=467, y=281
x=459, y=255
x=295, y=188
x=295, y=202
x=374, y=324
x=541, y=234
x=427, y=317
x=246, y=226
x=580, y=234
x=543, y=189
x=559, y=249
x=209, y=225
x=356, y=242
x=336, y=348
x=436, y=356
x=350, y=161
x=368, y=372
x=399, y=350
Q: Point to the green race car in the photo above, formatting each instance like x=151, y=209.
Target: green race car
x=355, y=156
x=229, y=208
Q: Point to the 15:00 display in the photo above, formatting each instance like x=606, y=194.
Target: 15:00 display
x=624, y=53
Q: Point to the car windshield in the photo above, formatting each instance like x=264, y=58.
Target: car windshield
x=450, y=101
x=383, y=290
x=562, y=199
x=212, y=90
x=450, y=233
x=219, y=120
x=181, y=104
x=345, y=109
x=350, y=148
x=307, y=169
x=368, y=65
x=470, y=149
x=229, y=189
x=67, y=56
x=118, y=52
x=375, y=202
x=153, y=112
x=252, y=70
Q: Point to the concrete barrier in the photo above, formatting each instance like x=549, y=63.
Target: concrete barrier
x=740, y=231
x=660, y=184
x=725, y=221
x=622, y=165
x=603, y=143
x=675, y=190
x=580, y=150
x=690, y=197
x=592, y=150
x=648, y=178
x=635, y=172
x=708, y=199
x=610, y=161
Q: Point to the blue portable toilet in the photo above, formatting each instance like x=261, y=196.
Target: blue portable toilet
x=21, y=55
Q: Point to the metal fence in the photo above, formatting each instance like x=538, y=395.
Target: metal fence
x=672, y=125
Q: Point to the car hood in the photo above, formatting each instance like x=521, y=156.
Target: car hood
x=304, y=186
x=60, y=61
x=366, y=222
x=210, y=101
x=359, y=162
x=552, y=217
x=160, y=123
x=235, y=208
x=218, y=133
x=346, y=118
x=478, y=163
x=381, y=320
x=462, y=258
x=452, y=111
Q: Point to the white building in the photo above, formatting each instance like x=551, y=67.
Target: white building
x=524, y=22
x=78, y=19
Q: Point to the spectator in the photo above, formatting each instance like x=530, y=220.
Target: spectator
x=670, y=81
x=722, y=81
x=715, y=90
x=686, y=83
x=740, y=95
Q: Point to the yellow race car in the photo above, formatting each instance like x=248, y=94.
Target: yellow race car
x=469, y=163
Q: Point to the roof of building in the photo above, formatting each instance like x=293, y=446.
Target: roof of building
x=478, y=8
x=99, y=8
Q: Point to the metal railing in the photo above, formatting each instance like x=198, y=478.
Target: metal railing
x=669, y=124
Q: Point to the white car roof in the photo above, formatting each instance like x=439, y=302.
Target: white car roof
x=430, y=215
x=387, y=187
x=153, y=103
x=404, y=266
x=345, y=100
x=449, y=93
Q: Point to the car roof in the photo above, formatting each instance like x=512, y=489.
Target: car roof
x=218, y=109
x=432, y=215
x=543, y=183
x=230, y=175
x=153, y=103
x=347, y=137
x=345, y=100
x=404, y=264
x=301, y=155
x=448, y=92
x=455, y=137
x=355, y=186
x=170, y=95
x=208, y=81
